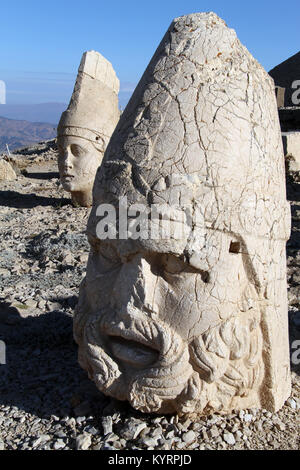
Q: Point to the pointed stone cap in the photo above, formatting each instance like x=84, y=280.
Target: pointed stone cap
x=93, y=109
x=202, y=128
x=99, y=68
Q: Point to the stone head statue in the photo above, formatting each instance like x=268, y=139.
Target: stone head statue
x=86, y=126
x=184, y=304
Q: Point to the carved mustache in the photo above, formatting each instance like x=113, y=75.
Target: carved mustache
x=135, y=326
x=164, y=378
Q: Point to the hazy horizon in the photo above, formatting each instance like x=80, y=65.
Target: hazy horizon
x=39, y=61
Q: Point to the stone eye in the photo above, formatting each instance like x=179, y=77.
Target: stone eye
x=77, y=150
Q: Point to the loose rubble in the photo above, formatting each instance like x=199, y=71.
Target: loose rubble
x=46, y=400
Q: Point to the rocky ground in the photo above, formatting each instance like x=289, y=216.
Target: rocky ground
x=46, y=400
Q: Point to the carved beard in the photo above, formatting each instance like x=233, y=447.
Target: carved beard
x=207, y=375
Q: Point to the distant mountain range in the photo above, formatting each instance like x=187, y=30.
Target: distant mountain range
x=26, y=124
x=18, y=133
x=44, y=112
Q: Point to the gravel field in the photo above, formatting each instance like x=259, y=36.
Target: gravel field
x=46, y=400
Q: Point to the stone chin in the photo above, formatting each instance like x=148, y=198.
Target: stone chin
x=73, y=185
x=67, y=185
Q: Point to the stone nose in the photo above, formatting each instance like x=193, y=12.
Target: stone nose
x=135, y=285
x=67, y=160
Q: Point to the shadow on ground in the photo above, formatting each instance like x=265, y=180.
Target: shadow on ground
x=42, y=175
x=28, y=201
x=41, y=375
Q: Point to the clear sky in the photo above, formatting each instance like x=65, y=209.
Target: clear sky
x=42, y=41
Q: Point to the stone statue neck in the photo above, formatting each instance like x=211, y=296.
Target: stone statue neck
x=82, y=198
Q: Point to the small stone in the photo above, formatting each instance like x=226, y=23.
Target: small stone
x=68, y=259
x=83, y=258
x=150, y=441
x=107, y=447
x=60, y=444
x=41, y=304
x=157, y=431
x=181, y=445
x=292, y=403
x=247, y=417
x=50, y=306
x=170, y=435
x=281, y=426
x=213, y=432
x=60, y=434
x=97, y=446
x=107, y=424
x=7, y=173
x=83, y=442
x=91, y=430
x=229, y=438
x=80, y=419
x=111, y=437
x=189, y=437
x=194, y=445
x=187, y=424
x=71, y=422
x=259, y=426
x=238, y=435
x=4, y=272
x=31, y=303
x=36, y=442
x=132, y=429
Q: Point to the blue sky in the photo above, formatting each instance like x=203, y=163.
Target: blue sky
x=42, y=42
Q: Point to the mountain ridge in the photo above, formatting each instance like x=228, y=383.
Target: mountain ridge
x=41, y=112
x=17, y=133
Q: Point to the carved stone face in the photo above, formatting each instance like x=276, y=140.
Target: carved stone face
x=163, y=330
x=78, y=162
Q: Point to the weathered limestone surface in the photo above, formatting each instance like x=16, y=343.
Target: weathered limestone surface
x=197, y=322
x=291, y=145
x=7, y=173
x=86, y=126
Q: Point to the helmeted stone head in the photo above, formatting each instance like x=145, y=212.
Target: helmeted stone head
x=192, y=317
x=86, y=126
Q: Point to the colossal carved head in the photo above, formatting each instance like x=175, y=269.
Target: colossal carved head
x=86, y=126
x=196, y=320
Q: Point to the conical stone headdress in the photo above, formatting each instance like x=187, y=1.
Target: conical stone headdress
x=93, y=109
